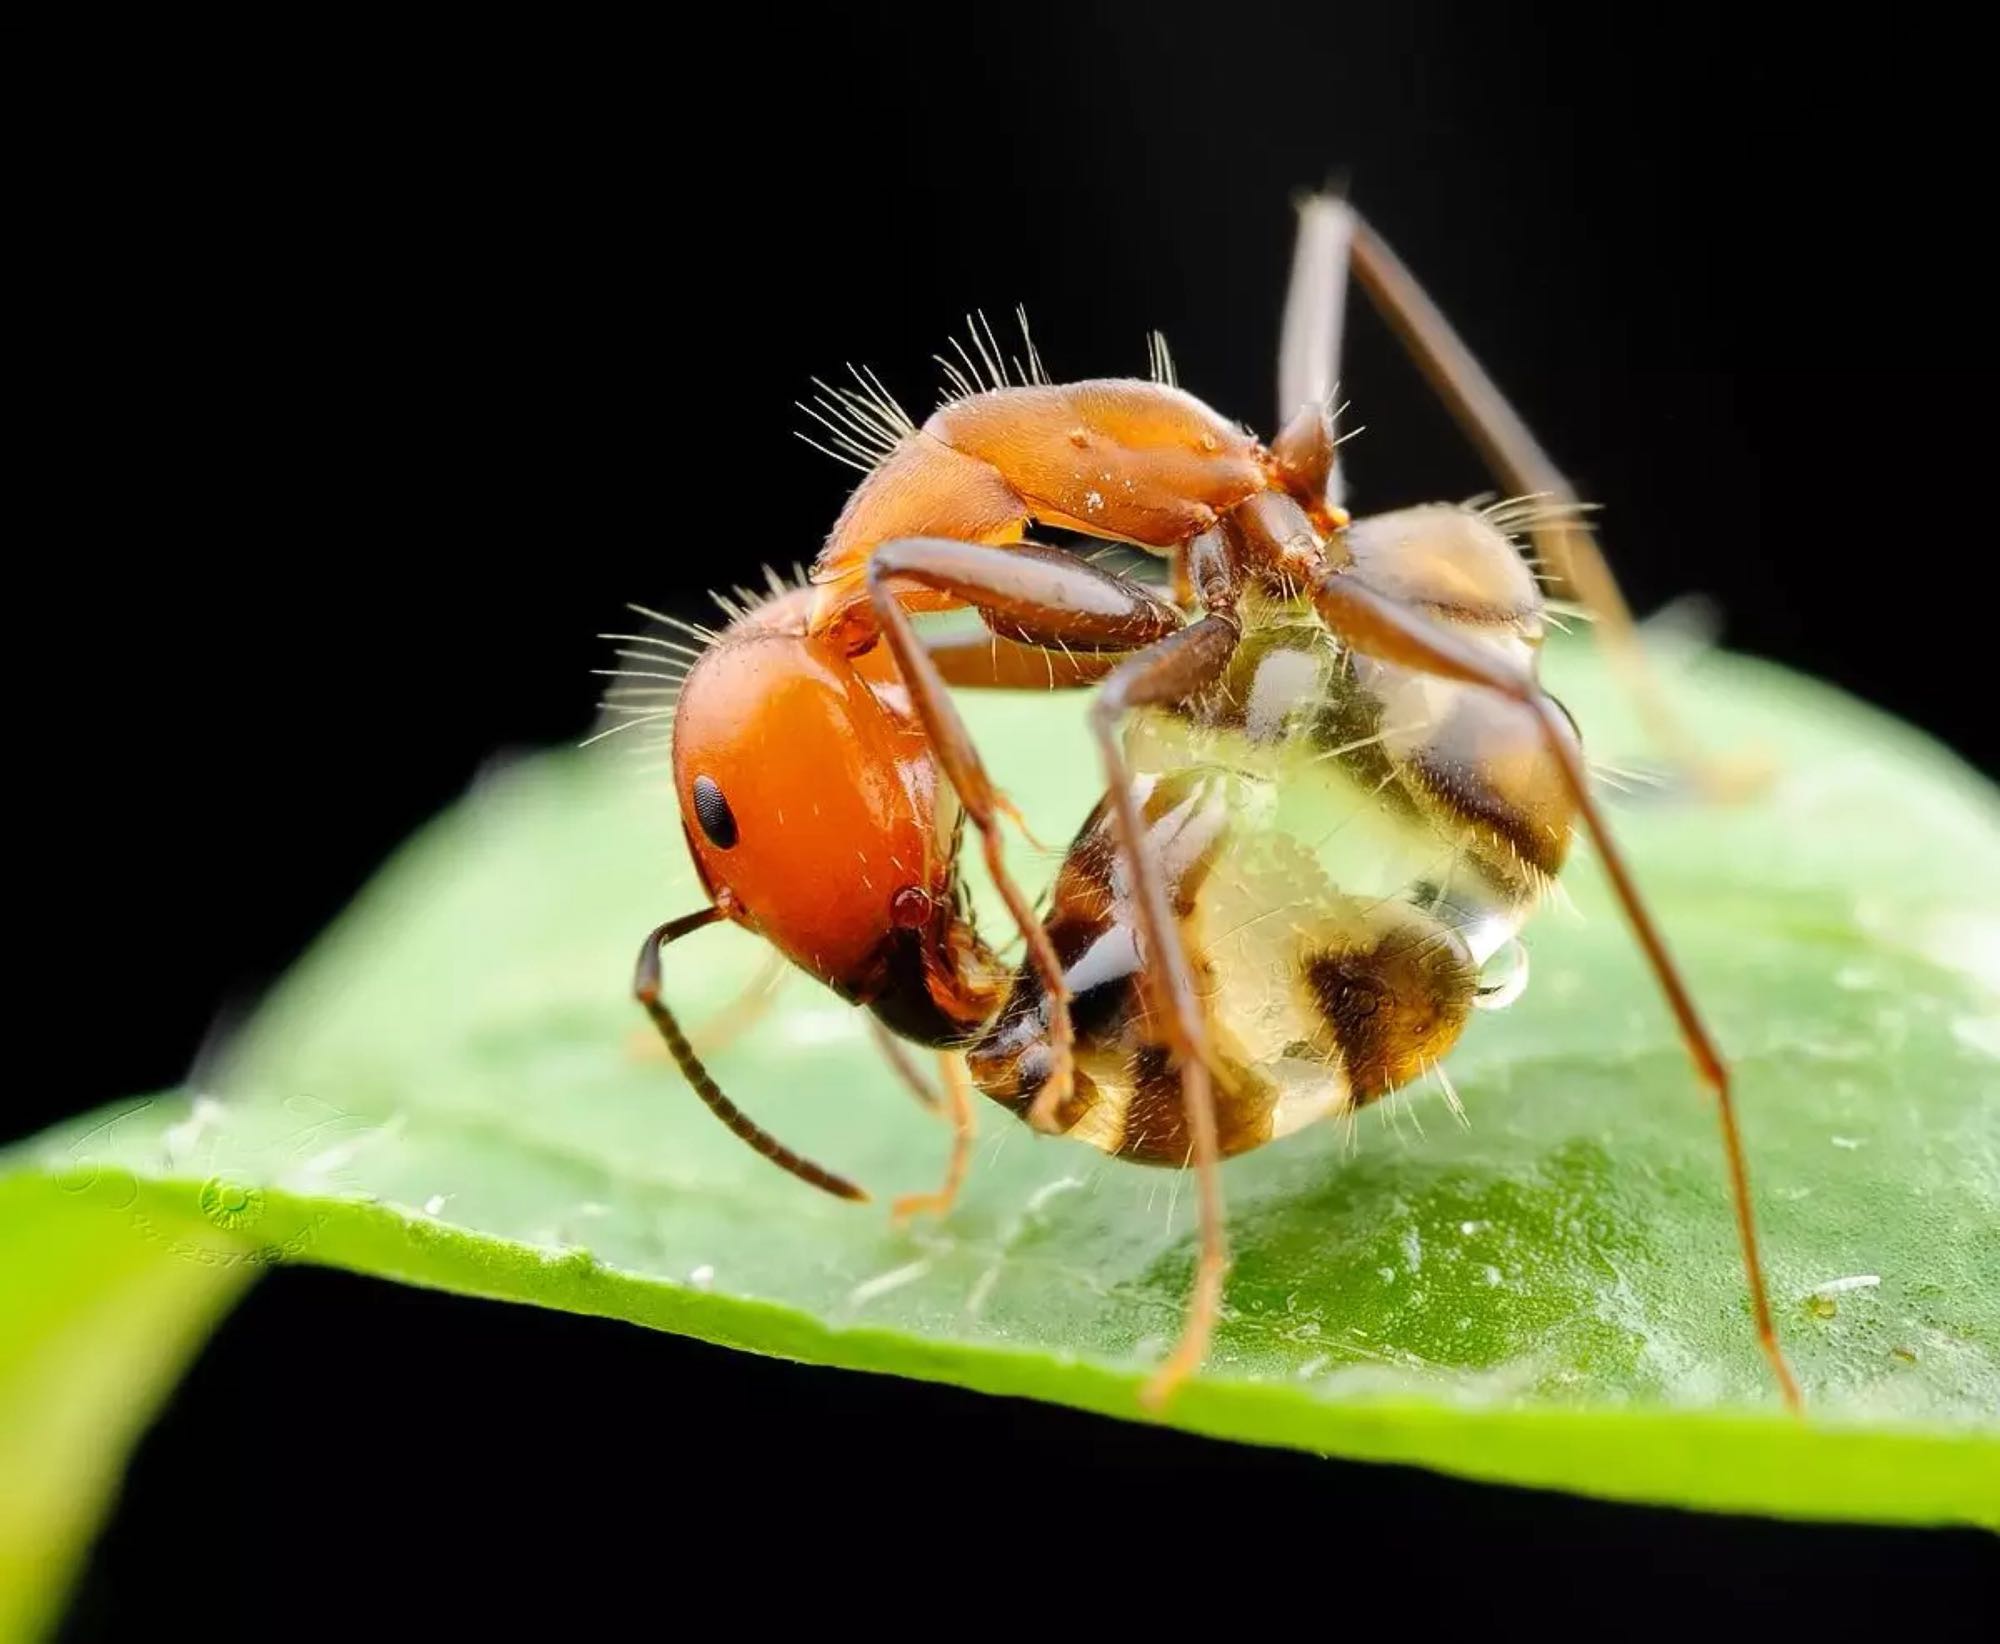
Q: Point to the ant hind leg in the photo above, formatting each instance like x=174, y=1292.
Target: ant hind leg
x=1378, y=626
x=1563, y=541
x=1309, y=359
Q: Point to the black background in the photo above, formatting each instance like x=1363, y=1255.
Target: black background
x=383, y=365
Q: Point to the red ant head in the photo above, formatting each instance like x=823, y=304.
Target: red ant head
x=809, y=796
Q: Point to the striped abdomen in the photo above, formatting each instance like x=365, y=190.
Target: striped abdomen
x=1317, y=1002
x=1347, y=843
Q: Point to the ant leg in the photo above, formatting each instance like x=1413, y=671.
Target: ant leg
x=1043, y=597
x=1381, y=627
x=1315, y=306
x=898, y=1058
x=1565, y=543
x=1032, y=594
x=958, y=1094
x=956, y=1105
x=1305, y=451
x=986, y=661
x=1172, y=671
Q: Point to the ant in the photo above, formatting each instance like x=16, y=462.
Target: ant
x=1152, y=1016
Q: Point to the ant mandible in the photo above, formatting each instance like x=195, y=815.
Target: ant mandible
x=855, y=880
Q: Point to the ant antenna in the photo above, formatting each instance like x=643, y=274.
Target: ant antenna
x=646, y=989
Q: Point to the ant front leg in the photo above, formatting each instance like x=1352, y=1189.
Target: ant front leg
x=1033, y=596
x=907, y=1073
x=1377, y=626
x=1041, y=597
x=958, y=1100
x=1174, y=670
x=955, y=1105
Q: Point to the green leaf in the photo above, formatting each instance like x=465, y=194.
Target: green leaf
x=99, y=1315
x=454, y=1090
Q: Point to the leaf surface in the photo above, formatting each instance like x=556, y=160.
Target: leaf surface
x=455, y=1090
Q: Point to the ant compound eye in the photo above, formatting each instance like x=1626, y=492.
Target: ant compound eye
x=712, y=811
